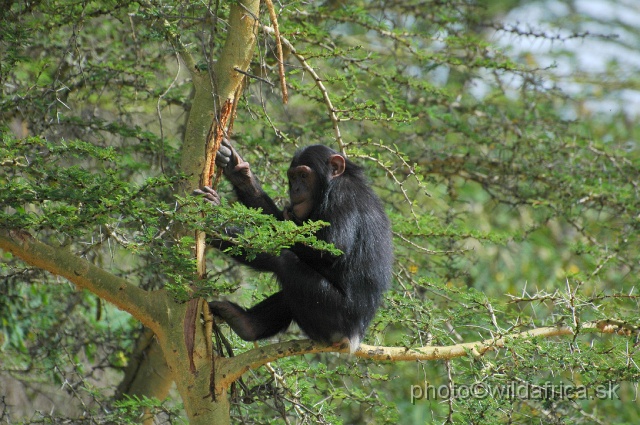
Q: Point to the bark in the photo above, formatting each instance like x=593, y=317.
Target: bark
x=166, y=357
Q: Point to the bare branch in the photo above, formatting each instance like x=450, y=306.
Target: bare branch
x=276, y=33
x=318, y=81
x=232, y=368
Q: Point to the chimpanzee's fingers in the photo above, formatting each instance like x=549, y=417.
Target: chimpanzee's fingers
x=224, y=156
x=226, y=143
x=203, y=190
x=209, y=194
x=215, y=200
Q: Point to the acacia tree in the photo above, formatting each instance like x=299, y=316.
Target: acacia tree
x=511, y=223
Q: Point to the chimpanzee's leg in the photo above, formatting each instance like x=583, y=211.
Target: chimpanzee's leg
x=328, y=311
x=263, y=320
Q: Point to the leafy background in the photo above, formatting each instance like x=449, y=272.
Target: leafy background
x=507, y=160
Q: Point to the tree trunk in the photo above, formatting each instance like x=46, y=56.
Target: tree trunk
x=213, y=97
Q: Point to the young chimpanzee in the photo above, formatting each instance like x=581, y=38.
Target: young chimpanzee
x=331, y=298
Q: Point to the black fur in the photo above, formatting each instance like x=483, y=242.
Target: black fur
x=330, y=297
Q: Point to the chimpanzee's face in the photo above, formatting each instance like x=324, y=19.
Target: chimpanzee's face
x=302, y=187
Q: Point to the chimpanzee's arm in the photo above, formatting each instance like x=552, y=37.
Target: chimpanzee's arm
x=343, y=233
x=260, y=262
x=319, y=260
x=245, y=183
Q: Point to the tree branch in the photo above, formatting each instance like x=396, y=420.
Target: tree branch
x=325, y=94
x=141, y=304
x=232, y=368
x=276, y=31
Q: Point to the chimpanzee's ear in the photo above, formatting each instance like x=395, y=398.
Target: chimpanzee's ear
x=337, y=164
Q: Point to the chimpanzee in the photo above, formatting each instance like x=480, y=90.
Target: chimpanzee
x=332, y=298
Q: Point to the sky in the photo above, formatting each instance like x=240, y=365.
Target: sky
x=594, y=55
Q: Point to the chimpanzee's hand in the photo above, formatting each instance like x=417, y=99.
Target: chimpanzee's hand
x=209, y=194
x=235, y=168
